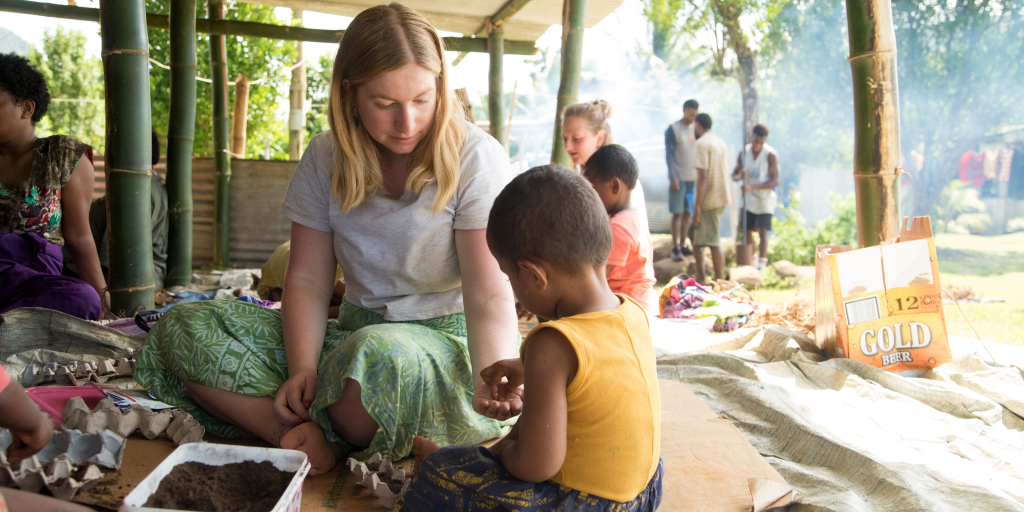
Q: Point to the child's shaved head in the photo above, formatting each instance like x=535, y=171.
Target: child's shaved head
x=551, y=214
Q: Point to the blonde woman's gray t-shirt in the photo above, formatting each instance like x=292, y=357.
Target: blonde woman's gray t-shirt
x=399, y=258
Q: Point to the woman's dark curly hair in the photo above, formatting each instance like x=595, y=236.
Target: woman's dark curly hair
x=24, y=82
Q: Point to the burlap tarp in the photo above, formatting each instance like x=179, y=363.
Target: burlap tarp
x=852, y=437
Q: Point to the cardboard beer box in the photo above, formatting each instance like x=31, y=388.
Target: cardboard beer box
x=883, y=305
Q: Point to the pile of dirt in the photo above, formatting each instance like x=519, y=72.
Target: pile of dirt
x=242, y=486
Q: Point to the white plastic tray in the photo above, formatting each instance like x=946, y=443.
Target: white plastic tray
x=219, y=455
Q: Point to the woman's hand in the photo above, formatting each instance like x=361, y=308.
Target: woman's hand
x=294, y=398
x=27, y=444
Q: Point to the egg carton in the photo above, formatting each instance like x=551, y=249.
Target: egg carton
x=380, y=475
x=60, y=477
x=65, y=466
x=179, y=425
x=78, y=373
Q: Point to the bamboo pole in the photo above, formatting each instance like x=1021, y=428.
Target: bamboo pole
x=495, y=87
x=128, y=154
x=876, y=154
x=248, y=28
x=511, y=112
x=180, y=133
x=507, y=11
x=573, y=23
x=221, y=159
x=239, y=111
x=297, y=100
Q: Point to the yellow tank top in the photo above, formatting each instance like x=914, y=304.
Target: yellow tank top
x=614, y=423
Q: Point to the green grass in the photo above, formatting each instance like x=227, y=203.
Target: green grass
x=980, y=255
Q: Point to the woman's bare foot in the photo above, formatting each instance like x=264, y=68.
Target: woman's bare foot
x=308, y=438
x=421, y=447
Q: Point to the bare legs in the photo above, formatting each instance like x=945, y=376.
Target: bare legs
x=762, y=241
x=256, y=414
x=421, y=447
x=680, y=225
x=717, y=260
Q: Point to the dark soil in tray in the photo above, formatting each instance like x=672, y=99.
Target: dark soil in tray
x=243, y=486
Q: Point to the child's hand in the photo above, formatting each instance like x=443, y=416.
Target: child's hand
x=503, y=378
x=28, y=444
x=485, y=404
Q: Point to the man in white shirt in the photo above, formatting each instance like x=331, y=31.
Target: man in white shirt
x=680, y=141
x=758, y=167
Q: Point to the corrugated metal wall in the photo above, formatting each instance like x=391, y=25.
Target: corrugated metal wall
x=257, y=189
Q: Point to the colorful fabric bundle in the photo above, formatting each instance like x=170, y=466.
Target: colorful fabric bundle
x=684, y=298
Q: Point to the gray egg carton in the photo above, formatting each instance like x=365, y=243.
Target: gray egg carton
x=378, y=474
x=65, y=466
x=179, y=425
x=78, y=373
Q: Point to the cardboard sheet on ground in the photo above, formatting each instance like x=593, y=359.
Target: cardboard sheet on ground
x=709, y=467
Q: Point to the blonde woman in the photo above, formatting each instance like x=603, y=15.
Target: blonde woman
x=398, y=193
x=585, y=129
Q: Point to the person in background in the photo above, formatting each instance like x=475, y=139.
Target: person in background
x=758, y=167
x=613, y=173
x=588, y=438
x=712, y=196
x=272, y=279
x=680, y=140
x=158, y=217
x=45, y=188
x=31, y=431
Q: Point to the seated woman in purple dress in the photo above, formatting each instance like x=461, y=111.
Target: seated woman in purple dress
x=45, y=191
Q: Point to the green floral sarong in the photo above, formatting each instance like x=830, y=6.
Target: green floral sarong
x=416, y=376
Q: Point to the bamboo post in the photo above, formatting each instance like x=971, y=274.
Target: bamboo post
x=511, y=112
x=180, y=133
x=573, y=24
x=128, y=153
x=221, y=159
x=238, y=115
x=495, y=87
x=297, y=99
x=876, y=154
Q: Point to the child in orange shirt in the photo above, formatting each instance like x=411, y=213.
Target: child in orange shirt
x=589, y=435
x=32, y=431
x=613, y=173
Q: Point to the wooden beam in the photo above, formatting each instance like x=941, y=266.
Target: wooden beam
x=573, y=23
x=128, y=154
x=221, y=158
x=239, y=115
x=495, y=86
x=507, y=11
x=876, y=107
x=297, y=101
x=181, y=128
x=249, y=29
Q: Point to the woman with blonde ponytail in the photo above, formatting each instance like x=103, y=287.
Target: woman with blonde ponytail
x=398, y=194
x=585, y=129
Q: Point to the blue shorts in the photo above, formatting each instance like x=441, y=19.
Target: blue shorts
x=681, y=201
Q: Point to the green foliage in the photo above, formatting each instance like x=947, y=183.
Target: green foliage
x=254, y=57
x=959, y=200
x=71, y=75
x=1015, y=225
x=771, y=280
x=318, y=90
x=793, y=241
x=665, y=25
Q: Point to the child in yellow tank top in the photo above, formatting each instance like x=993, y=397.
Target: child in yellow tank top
x=586, y=382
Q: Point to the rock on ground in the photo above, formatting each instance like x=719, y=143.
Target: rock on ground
x=786, y=268
x=662, y=245
x=665, y=270
x=745, y=275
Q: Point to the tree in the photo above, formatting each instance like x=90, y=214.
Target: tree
x=70, y=75
x=742, y=33
x=256, y=58
x=961, y=66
